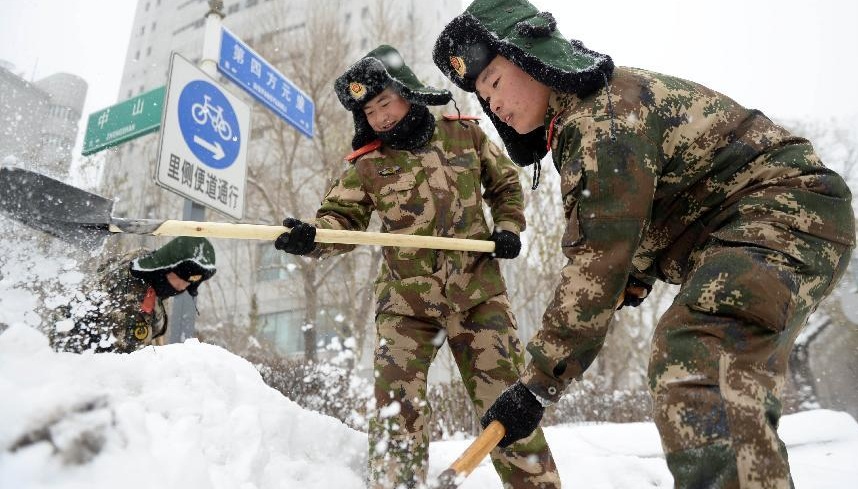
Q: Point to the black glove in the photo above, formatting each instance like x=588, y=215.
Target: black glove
x=300, y=240
x=518, y=411
x=507, y=244
x=635, y=292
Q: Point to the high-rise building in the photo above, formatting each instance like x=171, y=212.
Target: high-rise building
x=39, y=121
x=252, y=276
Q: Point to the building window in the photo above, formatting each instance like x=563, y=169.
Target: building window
x=152, y=29
x=233, y=8
x=364, y=43
x=137, y=56
x=251, y=3
x=147, y=6
x=364, y=13
x=348, y=17
x=142, y=29
x=285, y=328
x=148, y=50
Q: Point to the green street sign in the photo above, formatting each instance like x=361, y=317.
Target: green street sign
x=124, y=121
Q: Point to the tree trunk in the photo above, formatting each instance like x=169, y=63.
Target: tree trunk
x=311, y=308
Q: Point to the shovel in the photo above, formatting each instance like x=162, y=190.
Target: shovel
x=471, y=457
x=84, y=219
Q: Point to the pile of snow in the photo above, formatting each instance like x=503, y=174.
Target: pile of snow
x=179, y=416
x=193, y=415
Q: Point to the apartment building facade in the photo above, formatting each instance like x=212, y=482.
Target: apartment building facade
x=40, y=119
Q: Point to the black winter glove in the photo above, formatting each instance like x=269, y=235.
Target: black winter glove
x=635, y=293
x=518, y=411
x=507, y=244
x=300, y=240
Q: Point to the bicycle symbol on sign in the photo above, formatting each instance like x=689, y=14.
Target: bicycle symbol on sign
x=202, y=112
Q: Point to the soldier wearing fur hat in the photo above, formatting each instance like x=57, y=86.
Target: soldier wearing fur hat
x=662, y=179
x=426, y=177
x=121, y=309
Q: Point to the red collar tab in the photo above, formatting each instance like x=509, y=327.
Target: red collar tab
x=368, y=148
x=551, y=130
x=459, y=117
x=148, y=304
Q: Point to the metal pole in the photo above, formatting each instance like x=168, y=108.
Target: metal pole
x=183, y=317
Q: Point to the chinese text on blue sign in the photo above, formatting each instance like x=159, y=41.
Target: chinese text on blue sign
x=249, y=70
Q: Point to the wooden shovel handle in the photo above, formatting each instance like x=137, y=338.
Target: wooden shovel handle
x=477, y=451
x=267, y=232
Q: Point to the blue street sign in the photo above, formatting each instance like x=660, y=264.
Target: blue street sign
x=249, y=70
x=208, y=124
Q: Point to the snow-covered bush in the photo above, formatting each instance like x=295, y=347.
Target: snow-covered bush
x=319, y=386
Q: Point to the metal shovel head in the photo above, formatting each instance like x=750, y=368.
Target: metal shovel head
x=41, y=202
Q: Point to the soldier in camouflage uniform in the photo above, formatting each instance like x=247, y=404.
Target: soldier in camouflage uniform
x=121, y=308
x=662, y=179
x=424, y=178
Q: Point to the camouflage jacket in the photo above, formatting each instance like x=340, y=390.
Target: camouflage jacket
x=433, y=191
x=113, y=312
x=649, y=171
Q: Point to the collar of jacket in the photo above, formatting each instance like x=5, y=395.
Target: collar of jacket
x=559, y=104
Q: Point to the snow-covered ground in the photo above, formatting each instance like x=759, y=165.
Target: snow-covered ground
x=193, y=415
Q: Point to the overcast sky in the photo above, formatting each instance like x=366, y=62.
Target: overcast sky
x=789, y=58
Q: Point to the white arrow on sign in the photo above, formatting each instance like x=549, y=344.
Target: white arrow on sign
x=215, y=148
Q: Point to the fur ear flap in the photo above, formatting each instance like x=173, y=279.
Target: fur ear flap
x=363, y=131
x=541, y=25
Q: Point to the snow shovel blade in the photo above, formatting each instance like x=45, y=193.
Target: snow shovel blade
x=471, y=457
x=41, y=202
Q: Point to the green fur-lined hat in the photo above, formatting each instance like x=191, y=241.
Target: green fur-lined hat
x=191, y=258
x=518, y=31
x=381, y=68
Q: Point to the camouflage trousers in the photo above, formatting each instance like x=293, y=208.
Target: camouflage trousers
x=486, y=348
x=720, y=354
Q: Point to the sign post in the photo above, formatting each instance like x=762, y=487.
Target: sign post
x=184, y=311
x=124, y=121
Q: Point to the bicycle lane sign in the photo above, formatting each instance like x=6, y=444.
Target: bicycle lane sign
x=204, y=137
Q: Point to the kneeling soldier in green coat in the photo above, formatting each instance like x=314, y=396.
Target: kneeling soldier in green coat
x=662, y=179
x=425, y=177
x=121, y=308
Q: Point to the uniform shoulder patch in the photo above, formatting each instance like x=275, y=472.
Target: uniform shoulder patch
x=459, y=117
x=367, y=148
